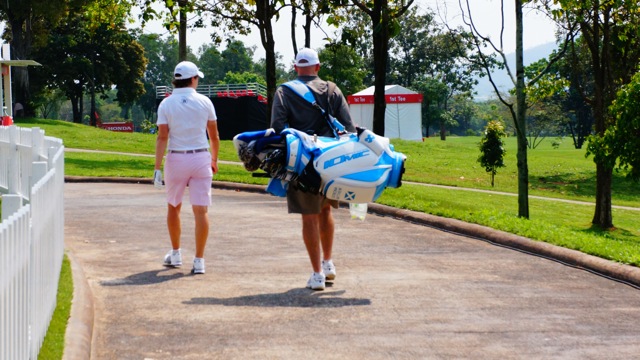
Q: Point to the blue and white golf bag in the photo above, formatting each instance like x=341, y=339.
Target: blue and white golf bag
x=354, y=167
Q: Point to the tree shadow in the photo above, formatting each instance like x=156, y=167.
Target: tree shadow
x=144, y=278
x=584, y=185
x=292, y=298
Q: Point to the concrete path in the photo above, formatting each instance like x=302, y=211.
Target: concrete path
x=403, y=290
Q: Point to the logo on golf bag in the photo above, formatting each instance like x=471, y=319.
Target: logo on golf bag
x=349, y=195
x=344, y=158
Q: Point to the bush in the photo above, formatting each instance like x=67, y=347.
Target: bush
x=492, y=148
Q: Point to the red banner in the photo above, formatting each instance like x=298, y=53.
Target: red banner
x=118, y=126
x=390, y=99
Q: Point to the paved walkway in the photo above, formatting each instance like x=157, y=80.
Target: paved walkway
x=403, y=291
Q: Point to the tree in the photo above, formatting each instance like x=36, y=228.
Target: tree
x=174, y=18
x=543, y=120
x=414, y=52
x=342, y=65
x=236, y=57
x=312, y=11
x=492, y=149
x=561, y=87
x=28, y=22
x=624, y=136
x=354, y=32
x=384, y=15
x=430, y=50
x=464, y=111
x=239, y=16
x=91, y=51
x=433, y=92
x=162, y=56
x=242, y=78
x=518, y=109
x=211, y=64
x=260, y=68
x=609, y=31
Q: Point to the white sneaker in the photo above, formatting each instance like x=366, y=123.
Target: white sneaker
x=316, y=281
x=329, y=269
x=173, y=258
x=198, y=266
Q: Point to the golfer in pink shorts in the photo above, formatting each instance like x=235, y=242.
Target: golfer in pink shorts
x=185, y=118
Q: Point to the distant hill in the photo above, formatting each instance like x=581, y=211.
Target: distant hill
x=484, y=89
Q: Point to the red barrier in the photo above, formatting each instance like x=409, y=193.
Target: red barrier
x=7, y=120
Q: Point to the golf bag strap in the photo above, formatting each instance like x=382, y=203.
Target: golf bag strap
x=305, y=92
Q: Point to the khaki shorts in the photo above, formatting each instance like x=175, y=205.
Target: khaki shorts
x=299, y=202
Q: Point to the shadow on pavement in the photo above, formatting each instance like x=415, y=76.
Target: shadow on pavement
x=144, y=278
x=290, y=298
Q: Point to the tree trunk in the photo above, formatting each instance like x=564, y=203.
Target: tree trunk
x=521, y=124
x=308, y=20
x=20, y=49
x=603, y=216
x=125, y=112
x=75, y=108
x=263, y=12
x=92, y=116
x=443, y=131
x=294, y=42
x=380, y=24
x=182, y=31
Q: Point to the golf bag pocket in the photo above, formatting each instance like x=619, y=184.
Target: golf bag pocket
x=360, y=187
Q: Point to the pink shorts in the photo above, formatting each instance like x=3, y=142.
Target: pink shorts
x=193, y=170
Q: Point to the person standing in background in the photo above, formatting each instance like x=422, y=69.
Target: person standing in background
x=18, y=110
x=184, y=120
x=291, y=110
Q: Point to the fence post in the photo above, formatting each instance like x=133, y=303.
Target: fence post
x=39, y=170
x=37, y=138
x=10, y=205
x=51, y=153
x=13, y=180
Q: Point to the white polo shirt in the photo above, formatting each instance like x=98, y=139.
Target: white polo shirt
x=186, y=112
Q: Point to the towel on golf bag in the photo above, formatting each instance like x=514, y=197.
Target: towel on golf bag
x=354, y=167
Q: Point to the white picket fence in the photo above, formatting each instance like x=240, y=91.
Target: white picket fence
x=31, y=238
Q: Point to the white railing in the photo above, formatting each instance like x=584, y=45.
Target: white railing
x=220, y=90
x=31, y=237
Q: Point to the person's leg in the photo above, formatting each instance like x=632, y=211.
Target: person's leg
x=327, y=229
x=173, y=224
x=202, y=228
x=311, y=237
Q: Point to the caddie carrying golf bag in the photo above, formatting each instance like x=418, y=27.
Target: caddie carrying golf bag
x=354, y=167
x=351, y=167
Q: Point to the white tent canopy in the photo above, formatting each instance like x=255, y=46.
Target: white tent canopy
x=403, y=116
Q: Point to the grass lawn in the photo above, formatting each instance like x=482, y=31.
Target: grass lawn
x=53, y=345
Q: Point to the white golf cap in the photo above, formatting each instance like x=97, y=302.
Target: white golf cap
x=186, y=70
x=307, y=57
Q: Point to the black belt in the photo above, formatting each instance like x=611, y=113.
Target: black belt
x=188, y=151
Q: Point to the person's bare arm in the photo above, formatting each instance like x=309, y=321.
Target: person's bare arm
x=161, y=144
x=214, y=142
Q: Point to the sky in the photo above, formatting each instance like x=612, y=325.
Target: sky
x=538, y=29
